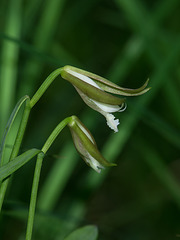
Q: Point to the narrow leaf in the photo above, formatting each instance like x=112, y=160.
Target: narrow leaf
x=17, y=162
x=9, y=125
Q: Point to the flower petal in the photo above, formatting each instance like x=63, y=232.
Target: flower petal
x=92, y=162
x=107, y=107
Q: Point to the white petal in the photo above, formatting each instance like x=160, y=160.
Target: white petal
x=112, y=122
x=103, y=106
x=94, y=163
x=83, y=78
x=85, y=132
x=107, y=107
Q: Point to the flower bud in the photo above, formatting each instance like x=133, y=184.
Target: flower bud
x=86, y=145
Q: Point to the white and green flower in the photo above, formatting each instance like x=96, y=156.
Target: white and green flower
x=95, y=92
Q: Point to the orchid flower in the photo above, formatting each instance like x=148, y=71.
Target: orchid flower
x=95, y=92
x=86, y=145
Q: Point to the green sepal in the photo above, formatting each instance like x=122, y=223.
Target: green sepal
x=110, y=87
x=91, y=91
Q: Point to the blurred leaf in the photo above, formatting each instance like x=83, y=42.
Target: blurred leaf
x=89, y=232
x=9, y=60
x=159, y=168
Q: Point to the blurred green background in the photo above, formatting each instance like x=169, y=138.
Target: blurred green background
x=126, y=41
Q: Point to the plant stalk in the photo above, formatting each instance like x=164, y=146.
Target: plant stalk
x=34, y=195
x=37, y=172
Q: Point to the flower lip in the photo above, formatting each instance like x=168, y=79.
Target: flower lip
x=112, y=122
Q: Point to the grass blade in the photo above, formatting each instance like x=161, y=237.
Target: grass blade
x=9, y=168
x=8, y=127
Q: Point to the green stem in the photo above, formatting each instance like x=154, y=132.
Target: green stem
x=16, y=147
x=34, y=195
x=54, y=134
x=44, y=86
x=36, y=178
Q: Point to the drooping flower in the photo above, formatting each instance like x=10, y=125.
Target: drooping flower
x=96, y=93
x=86, y=145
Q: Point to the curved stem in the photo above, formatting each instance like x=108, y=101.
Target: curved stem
x=44, y=86
x=55, y=133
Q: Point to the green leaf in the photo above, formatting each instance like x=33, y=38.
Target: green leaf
x=9, y=125
x=89, y=232
x=17, y=162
